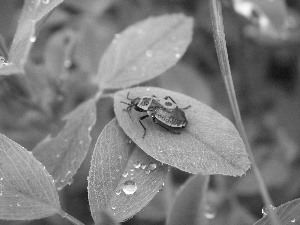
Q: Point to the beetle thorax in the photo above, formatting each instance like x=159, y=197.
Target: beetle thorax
x=145, y=103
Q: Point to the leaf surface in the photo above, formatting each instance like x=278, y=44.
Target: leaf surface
x=209, y=144
x=33, y=12
x=288, y=213
x=63, y=154
x=117, y=162
x=27, y=191
x=145, y=50
x=189, y=205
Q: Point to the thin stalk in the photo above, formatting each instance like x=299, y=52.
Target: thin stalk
x=70, y=218
x=220, y=43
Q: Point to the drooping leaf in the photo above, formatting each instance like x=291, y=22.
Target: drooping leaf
x=33, y=12
x=122, y=178
x=209, y=144
x=63, y=154
x=144, y=51
x=189, y=205
x=27, y=191
x=288, y=214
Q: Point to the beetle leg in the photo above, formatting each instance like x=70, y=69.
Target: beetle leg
x=166, y=98
x=140, y=120
x=189, y=106
x=128, y=96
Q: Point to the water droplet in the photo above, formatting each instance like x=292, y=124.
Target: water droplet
x=125, y=174
x=149, y=53
x=161, y=187
x=147, y=172
x=147, y=89
x=67, y=63
x=18, y=204
x=80, y=142
x=59, y=188
x=58, y=155
x=32, y=38
x=45, y=1
x=118, y=192
x=177, y=55
x=293, y=220
x=120, y=157
x=151, y=166
x=129, y=141
x=0, y=193
x=137, y=164
x=1, y=178
x=143, y=166
x=210, y=212
x=129, y=187
x=265, y=210
x=113, y=207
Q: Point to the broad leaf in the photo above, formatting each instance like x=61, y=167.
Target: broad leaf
x=63, y=154
x=122, y=178
x=33, y=11
x=145, y=50
x=209, y=144
x=189, y=205
x=288, y=213
x=27, y=191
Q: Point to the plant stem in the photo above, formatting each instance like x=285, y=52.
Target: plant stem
x=70, y=218
x=220, y=43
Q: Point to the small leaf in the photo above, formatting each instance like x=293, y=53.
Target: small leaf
x=122, y=178
x=25, y=36
x=209, y=144
x=189, y=205
x=63, y=154
x=288, y=214
x=27, y=191
x=145, y=50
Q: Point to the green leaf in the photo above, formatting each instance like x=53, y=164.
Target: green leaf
x=33, y=11
x=63, y=154
x=145, y=50
x=209, y=144
x=27, y=191
x=288, y=213
x=122, y=178
x=189, y=205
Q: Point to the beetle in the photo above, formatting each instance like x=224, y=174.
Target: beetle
x=163, y=112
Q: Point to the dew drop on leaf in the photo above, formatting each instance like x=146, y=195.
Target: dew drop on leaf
x=129, y=187
x=118, y=192
x=18, y=204
x=149, y=53
x=210, y=212
x=151, y=166
x=147, y=172
x=1, y=178
x=177, y=55
x=265, y=210
x=125, y=174
x=137, y=164
x=143, y=166
x=113, y=207
x=45, y=2
x=32, y=39
x=293, y=220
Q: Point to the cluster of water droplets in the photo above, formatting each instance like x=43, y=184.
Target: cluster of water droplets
x=3, y=62
x=265, y=211
x=129, y=187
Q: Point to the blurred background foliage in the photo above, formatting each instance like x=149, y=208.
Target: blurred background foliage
x=263, y=45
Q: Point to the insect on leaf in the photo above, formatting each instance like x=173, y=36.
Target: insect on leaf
x=63, y=154
x=145, y=50
x=27, y=191
x=122, y=178
x=209, y=144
